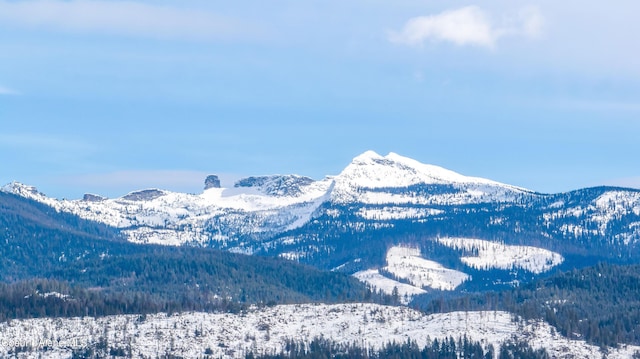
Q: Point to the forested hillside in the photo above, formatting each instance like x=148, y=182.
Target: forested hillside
x=600, y=304
x=92, y=271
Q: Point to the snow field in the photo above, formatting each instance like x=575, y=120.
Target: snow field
x=406, y=263
x=387, y=285
x=501, y=256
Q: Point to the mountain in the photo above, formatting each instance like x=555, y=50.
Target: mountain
x=457, y=232
x=151, y=273
x=262, y=206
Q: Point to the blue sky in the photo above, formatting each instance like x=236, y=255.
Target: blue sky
x=113, y=96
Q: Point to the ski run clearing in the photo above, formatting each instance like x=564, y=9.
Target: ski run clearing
x=487, y=255
x=406, y=264
x=387, y=285
x=266, y=330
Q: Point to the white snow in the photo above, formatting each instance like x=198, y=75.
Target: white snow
x=501, y=256
x=407, y=263
x=387, y=285
x=266, y=330
x=178, y=218
x=369, y=171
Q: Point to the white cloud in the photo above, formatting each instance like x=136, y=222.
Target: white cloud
x=469, y=25
x=121, y=18
x=532, y=22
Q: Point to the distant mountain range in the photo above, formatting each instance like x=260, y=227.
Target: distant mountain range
x=152, y=273
x=390, y=220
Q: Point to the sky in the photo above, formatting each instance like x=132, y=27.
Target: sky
x=112, y=96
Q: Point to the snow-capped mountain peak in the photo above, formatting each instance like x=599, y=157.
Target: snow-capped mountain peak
x=21, y=189
x=369, y=176
x=371, y=170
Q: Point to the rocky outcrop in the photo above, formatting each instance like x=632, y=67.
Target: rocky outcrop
x=88, y=197
x=277, y=185
x=144, y=195
x=212, y=181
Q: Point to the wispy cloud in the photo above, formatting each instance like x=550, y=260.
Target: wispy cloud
x=8, y=91
x=122, y=18
x=629, y=182
x=120, y=182
x=43, y=142
x=469, y=25
x=598, y=105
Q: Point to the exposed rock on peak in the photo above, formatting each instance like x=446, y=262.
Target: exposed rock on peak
x=21, y=189
x=144, y=195
x=212, y=181
x=88, y=197
x=277, y=185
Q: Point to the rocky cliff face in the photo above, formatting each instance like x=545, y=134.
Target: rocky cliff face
x=212, y=181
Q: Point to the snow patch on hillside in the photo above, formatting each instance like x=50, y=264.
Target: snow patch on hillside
x=407, y=263
x=486, y=255
x=388, y=285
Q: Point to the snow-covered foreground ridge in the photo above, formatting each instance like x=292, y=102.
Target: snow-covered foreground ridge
x=266, y=330
x=267, y=205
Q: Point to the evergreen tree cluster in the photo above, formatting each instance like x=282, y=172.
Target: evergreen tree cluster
x=450, y=348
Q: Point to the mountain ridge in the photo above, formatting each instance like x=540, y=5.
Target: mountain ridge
x=349, y=221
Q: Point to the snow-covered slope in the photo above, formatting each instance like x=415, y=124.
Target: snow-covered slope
x=406, y=263
x=373, y=179
x=372, y=277
x=483, y=254
x=255, y=206
x=266, y=331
